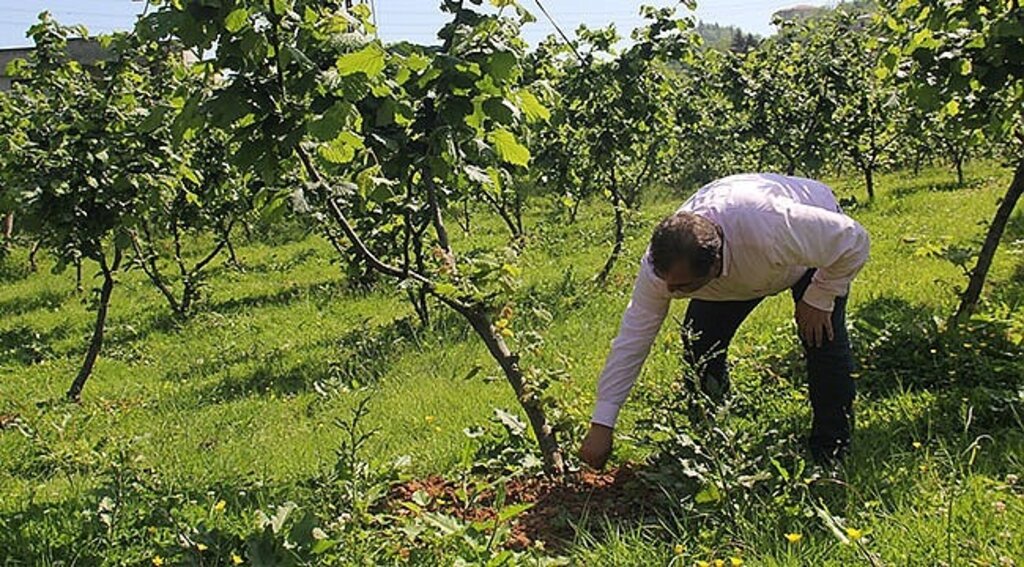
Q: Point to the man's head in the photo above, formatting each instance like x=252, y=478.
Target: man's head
x=686, y=251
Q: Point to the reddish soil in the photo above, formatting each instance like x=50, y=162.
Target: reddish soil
x=559, y=504
x=9, y=420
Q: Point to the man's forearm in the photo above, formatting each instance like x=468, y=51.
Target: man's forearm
x=640, y=325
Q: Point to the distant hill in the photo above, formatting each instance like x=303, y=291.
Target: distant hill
x=802, y=12
x=731, y=38
x=726, y=38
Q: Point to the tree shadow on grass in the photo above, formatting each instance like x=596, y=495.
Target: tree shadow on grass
x=932, y=187
x=1011, y=291
x=275, y=263
x=12, y=270
x=22, y=305
x=901, y=346
x=25, y=346
x=359, y=358
x=320, y=293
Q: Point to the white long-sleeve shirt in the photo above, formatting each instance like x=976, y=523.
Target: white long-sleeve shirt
x=775, y=228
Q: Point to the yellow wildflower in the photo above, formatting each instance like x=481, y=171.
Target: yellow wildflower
x=678, y=549
x=429, y=419
x=735, y=561
x=719, y=563
x=794, y=537
x=219, y=506
x=158, y=561
x=236, y=559
x=201, y=547
x=916, y=444
x=854, y=534
x=703, y=564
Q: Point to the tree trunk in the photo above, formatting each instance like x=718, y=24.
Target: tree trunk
x=499, y=208
x=478, y=320
x=419, y=297
x=32, y=255
x=969, y=300
x=869, y=178
x=435, y=215
x=232, y=257
x=620, y=237
x=519, y=214
x=958, y=161
x=192, y=283
x=146, y=259
x=552, y=454
x=226, y=236
x=8, y=229
x=463, y=220
x=78, y=275
x=74, y=394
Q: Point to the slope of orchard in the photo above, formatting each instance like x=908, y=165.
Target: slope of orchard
x=239, y=403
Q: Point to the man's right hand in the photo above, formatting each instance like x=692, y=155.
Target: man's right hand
x=597, y=446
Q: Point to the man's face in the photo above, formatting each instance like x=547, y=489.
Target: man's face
x=680, y=279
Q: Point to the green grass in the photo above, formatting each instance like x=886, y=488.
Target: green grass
x=226, y=406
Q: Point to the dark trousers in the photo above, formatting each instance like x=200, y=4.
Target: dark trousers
x=709, y=327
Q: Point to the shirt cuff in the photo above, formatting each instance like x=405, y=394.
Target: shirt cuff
x=605, y=413
x=819, y=298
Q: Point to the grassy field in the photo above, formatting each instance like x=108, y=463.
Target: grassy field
x=238, y=405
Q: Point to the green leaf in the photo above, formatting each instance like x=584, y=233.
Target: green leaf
x=322, y=546
x=122, y=240
x=447, y=290
x=417, y=62
x=282, y=6
x=501, y=65
x=533, y=108
x=509, y=150
x=907, y=5
x=369, y=61
x=500, y=110
x=513, y=510
x=190, y=174
x=341, y=149
x=153, y=120
x=923, y=39
x=340, y=115
x=236, y=20
x=709, y=494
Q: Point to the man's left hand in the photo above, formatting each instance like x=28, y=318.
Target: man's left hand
x=813, y=324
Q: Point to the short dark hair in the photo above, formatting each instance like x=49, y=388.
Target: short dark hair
x=686, y=237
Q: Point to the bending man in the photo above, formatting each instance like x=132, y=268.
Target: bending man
x=733, y=243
